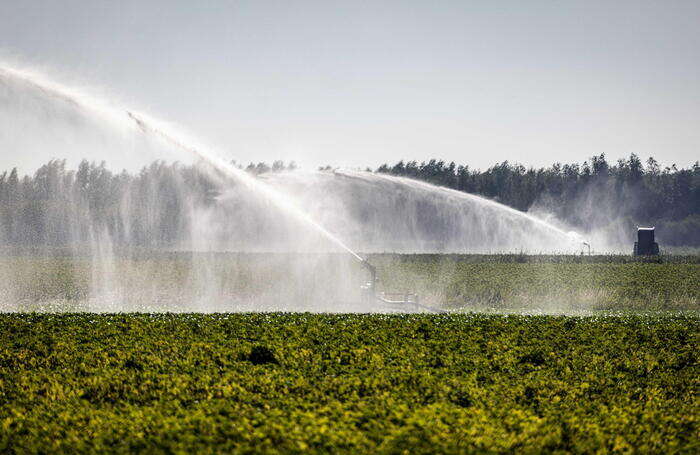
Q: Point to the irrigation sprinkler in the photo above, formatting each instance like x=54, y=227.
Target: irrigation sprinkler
x=588, y=245
x=371, y=296
x=369, y=289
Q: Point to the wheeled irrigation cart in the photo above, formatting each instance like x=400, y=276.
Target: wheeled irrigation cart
x=397, y=300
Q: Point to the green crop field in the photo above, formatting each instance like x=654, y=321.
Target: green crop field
x=623, y=377
x=231, y=282
x=557, y=284
x=302, y=383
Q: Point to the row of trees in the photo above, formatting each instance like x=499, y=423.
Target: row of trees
x=263, y=168
x=587, y=195
x=58, y=207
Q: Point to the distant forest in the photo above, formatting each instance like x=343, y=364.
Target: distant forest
x=61, y=207
x=590, y=195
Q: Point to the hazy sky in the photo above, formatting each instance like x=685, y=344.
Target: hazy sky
x=357, y=83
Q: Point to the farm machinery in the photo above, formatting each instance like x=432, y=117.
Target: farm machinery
x=646, y=244
x=396, y=300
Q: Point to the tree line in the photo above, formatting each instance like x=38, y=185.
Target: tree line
x=589, y=195
x=60, y=207
x=57, y=206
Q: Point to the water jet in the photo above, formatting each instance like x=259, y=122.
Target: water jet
x=369, y=212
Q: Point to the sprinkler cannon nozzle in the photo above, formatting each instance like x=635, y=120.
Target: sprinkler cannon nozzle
x=372, y=269
x=586, y=244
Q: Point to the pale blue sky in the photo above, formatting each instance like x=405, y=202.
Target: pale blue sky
x=360, y=83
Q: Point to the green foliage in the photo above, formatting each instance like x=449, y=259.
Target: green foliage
x=260, y=355
x=60, y=207
x=501, y=283
x=348, y=384
x=548, y=283
x=589, y=196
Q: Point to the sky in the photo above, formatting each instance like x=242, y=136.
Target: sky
x=355, y=84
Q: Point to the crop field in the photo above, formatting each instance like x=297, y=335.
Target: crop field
x=266, y=282
x=303, y=383
x=550, y=284
x=554, y=354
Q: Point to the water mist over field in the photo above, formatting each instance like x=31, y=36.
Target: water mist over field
x=382, y=213
x=289, y=212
